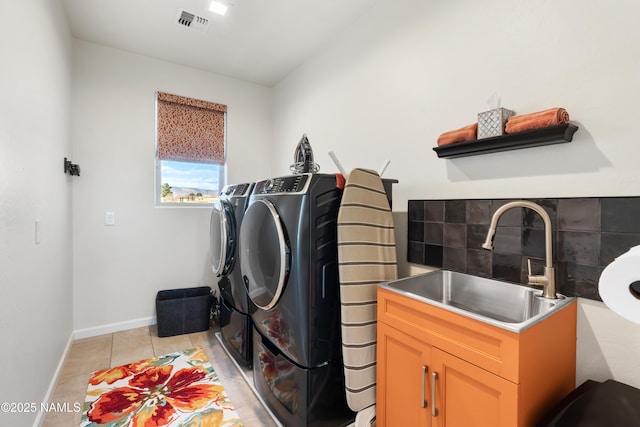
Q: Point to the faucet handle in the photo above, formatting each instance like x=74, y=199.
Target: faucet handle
x=529, y=267
x=538, y=280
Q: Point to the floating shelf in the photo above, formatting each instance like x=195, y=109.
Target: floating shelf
x=513, y=141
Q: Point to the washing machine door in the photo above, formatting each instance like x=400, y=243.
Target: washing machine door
x=265, y=254
x=222, y=237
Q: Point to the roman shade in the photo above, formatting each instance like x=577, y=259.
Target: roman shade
x=190, y=130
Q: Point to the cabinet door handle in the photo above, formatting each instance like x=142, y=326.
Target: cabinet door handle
x=434, y=379
x=425, y=369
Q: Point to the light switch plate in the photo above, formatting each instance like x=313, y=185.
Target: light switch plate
x=109, y=218
x=38, y=231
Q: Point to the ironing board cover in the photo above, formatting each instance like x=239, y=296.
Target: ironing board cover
x=366, y=257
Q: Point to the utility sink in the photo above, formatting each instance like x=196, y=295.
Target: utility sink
x=506, y=305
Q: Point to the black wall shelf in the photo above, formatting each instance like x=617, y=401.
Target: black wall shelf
x=532, y=138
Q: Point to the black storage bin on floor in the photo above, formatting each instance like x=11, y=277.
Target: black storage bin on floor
x=183, y=311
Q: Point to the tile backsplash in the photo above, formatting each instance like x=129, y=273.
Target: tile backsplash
x=588, y=234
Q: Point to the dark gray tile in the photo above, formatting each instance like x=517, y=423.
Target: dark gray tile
x=455, y=259
x=415, y=253
x=579, y=214
x=476, y=235
x=479, y=262
x=433, y=233
x=588, y=234
x=415, y=231
x=433, y=255
x=612, y=245
x=620, y=214
x=508, y=240
x=415, y=210
x=434, y=210
x=455, y=211
x=533, y=242
x=479, y=212
x=578, y=280
x=579, y=247
x=507, y=267
x=455, y=235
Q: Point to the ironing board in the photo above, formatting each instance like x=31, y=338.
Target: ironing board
x=366, y=257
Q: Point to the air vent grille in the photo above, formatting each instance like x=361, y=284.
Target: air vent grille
x=191, y=20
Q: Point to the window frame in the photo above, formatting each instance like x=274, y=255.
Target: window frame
x=222, y=167
x=158, y=188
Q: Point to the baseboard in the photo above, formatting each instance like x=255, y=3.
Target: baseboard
x=87, y=333
x=54, y=380
x=113, y=327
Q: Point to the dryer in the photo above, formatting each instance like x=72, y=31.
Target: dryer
x=235, y=306
x=289, y=264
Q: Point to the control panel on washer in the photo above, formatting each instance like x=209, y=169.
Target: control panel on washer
x=235, y=190
x=286, y=184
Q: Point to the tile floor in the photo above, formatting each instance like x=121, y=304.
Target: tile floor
x=119, y=348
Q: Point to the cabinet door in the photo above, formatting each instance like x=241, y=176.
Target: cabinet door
x=403, y=396
x=469, y=396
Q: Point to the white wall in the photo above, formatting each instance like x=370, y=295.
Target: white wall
x=35, y=279
x=411, y=69
x=119, y=269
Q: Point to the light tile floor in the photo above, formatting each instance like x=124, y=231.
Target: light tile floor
x=119, y=348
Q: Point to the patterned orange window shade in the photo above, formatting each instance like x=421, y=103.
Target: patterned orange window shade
x=190, y=130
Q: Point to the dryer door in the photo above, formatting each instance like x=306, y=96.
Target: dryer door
x=265, y=254
x=222, y=237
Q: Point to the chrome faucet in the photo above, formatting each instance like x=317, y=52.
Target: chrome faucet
x=548, y=280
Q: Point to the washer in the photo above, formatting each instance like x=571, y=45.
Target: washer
x=235, y=306
x=289, y=263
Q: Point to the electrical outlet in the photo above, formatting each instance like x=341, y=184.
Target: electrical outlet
x=109, y=218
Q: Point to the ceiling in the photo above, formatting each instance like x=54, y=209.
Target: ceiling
x=259, y=41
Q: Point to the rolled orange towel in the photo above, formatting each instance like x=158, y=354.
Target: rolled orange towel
x=541, y=119
x=467, y=133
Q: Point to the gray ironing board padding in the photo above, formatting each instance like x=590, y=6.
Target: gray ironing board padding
x=366, y=257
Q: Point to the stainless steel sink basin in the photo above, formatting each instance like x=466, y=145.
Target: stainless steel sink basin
x=506, y=305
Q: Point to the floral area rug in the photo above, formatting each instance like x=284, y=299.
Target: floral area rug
x=177, y=389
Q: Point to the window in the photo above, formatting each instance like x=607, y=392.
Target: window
x=190, y=150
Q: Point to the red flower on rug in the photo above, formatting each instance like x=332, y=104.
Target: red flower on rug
x=153, y=397
x=175, y=389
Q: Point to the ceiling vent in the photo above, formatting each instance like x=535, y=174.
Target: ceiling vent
x=191, y=20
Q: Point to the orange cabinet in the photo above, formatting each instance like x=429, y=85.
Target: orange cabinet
x=406, y=388
x=466, y=395
x=438, y=368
